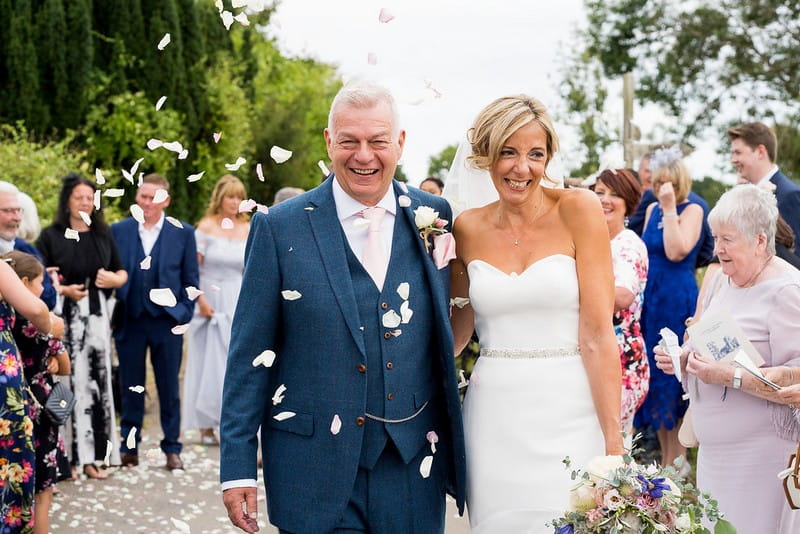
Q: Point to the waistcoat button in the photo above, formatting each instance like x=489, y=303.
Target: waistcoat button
x=359, y=421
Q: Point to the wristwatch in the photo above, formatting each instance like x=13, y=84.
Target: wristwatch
x=737, y=378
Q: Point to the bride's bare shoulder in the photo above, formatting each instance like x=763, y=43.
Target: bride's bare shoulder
x=471, y=220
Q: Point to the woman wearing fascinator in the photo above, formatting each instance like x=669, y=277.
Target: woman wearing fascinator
x=536, y=266
x=672, y=235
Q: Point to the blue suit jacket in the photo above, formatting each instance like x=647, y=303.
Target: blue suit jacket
x=48, y=295
x=309, y=471
x=788, y=194
x=176, y=264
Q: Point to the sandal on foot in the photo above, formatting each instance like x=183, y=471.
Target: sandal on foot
x=92, y=471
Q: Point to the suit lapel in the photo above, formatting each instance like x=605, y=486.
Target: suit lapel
x=327, y=230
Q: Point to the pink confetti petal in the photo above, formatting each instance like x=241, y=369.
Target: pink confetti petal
x=227, y=19
x=97, y=195
x=405, y=313
x=113, y=192
x=372, y=59
x=184, y=154
x=242, y=19
x=173, y=146
x=246, y=206
x=385, y=16
x=336, y=424
x=137, y=389
x=180, y=329
x=433, y=439
x=214, y=287
x=227, y=224
x=403, y=186
x=261, y=208
x=217, y=136
x=85, y=217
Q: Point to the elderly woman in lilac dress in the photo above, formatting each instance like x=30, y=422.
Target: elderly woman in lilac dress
x=746, y=433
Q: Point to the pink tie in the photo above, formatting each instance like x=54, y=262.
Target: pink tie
x=374, y=258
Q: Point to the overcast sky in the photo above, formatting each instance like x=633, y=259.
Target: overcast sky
x=469, y=51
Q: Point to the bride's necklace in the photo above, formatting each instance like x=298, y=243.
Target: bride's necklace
x=535, y=215
x=752, y=280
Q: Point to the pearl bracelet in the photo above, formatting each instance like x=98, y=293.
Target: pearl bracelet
x=673, y=213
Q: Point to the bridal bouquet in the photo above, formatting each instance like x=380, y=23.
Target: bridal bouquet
x=615, y=495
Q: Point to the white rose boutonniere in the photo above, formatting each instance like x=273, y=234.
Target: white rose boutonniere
x=429, y=224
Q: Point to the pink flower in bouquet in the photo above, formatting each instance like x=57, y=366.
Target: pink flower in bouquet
x=612, y=499
x=646, y=502
x=594, y=515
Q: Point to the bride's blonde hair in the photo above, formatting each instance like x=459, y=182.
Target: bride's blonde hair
x=499, y=120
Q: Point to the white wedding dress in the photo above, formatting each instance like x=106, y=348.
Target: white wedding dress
x=528, y=405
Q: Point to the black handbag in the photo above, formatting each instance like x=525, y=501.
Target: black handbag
x=59, y=404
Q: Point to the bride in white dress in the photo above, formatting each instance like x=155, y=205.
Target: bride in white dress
x=536, y=265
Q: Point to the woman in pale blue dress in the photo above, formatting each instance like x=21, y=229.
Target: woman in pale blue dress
x=221, y=236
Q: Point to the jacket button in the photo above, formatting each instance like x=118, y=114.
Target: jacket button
x=362, y=368
x=359, y=421
x=384, y=305
x=389, y=365
x=387, y=335
x=390, y=396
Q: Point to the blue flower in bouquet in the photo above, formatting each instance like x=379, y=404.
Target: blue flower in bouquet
x=654, y=487
x=566, y=529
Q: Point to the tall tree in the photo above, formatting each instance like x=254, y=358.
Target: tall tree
x=51, y=31
x=439, y=164
x=79, y=58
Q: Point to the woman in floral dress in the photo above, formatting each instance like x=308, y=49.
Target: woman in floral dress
x=619, y=194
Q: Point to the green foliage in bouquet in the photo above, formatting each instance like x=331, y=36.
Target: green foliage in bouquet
x=614, y=495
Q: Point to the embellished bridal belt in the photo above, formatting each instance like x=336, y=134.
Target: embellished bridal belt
x=557, y=352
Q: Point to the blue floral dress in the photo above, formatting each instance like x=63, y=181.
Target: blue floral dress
x=16, y=435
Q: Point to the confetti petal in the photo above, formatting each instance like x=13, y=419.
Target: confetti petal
x=98, y=177
x=162, y=44
x=109, y=448
x=336, y=424
x=279, y=154
x=246, y=206
x=323, y=168
x=160, y=103
x=405, y=313
x=260, y=172
x=462, y=379
x=227, y=19
x=403, y=186
x=184, y=154
x=97, y=195
x=433, y=439
x=163, y=297
x=277, y=398
x=390, y=319
x=403, y=290
x=113, y=192
x=309, y=208
x=403, y=201
x=266, y=358
x=385, y=16
x=235, y=166
x=135, y=166
x=160, y=196
x=69, y=233
x=195, y=177
x=85, y=217
x=226, y=224
x=153, y=144
x=174, y=222
x=137, y=389
x=192, y=292
x=242, y=19
x=236, y=4
x=459, y=302
x=214, y=287
x=284, y=415
x=216, y=136
x=180, y=329
x=131, y=439
x=425, y=466
x=372, y=59
x=219, y=5
x=173, y=146
x=145, y=263
x=291, y=294
x=261, y=208
x=182, y=527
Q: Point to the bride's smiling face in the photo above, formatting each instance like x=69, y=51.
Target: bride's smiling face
x=521, y=163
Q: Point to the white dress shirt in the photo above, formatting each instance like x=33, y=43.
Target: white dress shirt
x=6, y=246
x=150, y=236
x=766, y=178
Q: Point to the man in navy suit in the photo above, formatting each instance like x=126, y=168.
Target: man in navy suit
x=347, y=368
x=754, y=149
x=161, y=257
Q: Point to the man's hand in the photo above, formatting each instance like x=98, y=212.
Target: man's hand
x=242, y=508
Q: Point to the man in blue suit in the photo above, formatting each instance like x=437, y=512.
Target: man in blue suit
x=345, y=362
x=161, y=257
x=754, y=149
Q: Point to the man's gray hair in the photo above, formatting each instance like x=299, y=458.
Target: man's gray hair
x=364, y=95
x=8, y=188
x=751, y=209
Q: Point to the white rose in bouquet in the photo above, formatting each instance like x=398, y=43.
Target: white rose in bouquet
x=601, y=466
x=673, y=487
x=582, y=498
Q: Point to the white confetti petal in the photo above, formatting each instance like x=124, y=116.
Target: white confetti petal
x=390, y=319
x=385, y=16
x=173, y=146
x=98, y=177
x=180, y=329
x=277, y=398
x=145, y=263
x=113, y=192
x=241, y=18
x=182, y=527
x=174, y=222
x=162, y=44
x=261, y=208
x=403, y=201
x=323, y=168
x=184, y=154
x=127, y=175
x=396, y=333
x=236, y=4
x=219, y=5
x=425, y=466
x=360, y=223
x=69, y=233
x=137, y=389
x=372, y=59
x=160, y=196
x=403, y=290
x=462, y=379
x=109, y=448
x=160, y=103
x=291, y=294
x=226, y=223
x=86, y=217
x=284, y=415
x=266, y=358
x=246, y=206
x=405, y=312
x=235, y=166
x=192, y=292
x=163, y=297
x=227, y=19
x=459, y=302
x=216, y=136
x=336, y=424
x=135, y=166
x=97, y=195
x=153, y=144
x=195, y=177
x=260, y=173
x=131, y=439
x=403, y=186
x=279, y=154
x=309, y=208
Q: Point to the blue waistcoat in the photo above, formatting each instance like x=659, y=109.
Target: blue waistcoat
x=142, y=281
